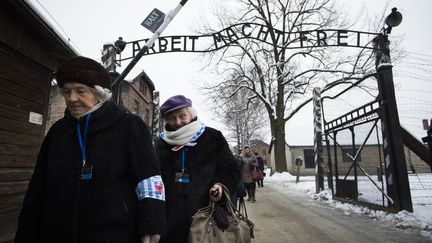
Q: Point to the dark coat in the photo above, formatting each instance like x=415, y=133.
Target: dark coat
x=260, y=163
x=59, y=207
x=208, y=162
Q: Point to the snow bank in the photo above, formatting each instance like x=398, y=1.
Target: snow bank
x=420, y=220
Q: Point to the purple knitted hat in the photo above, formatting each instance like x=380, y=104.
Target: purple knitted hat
x=174, y=103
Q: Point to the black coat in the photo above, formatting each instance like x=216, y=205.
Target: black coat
x=208, y=162
x=59, y=207
x=260, y=163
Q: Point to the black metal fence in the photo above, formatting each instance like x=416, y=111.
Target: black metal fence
x=354, y=156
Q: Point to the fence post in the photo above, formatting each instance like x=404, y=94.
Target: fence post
x=394, y=158
x=298, y=163
x=156, y=116
x=319, y=171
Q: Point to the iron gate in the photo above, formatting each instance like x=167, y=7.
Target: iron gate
x=354, y=151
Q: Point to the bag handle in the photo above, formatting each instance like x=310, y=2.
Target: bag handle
x=230, y=206
x=242, y=204
x=236, y=214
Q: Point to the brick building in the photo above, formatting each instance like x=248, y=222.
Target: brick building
x=56, y=107
x=369, y=159
x=262, y=149
x=137, y=97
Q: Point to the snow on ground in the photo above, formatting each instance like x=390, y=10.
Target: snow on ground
x=421, y=190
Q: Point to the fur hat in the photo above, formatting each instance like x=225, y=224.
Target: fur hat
x=83, y=70
x=174, y=103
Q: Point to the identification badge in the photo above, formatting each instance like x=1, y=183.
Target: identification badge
x=182, y=177
x=86, y=172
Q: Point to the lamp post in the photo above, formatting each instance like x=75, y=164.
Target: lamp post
x=394, y=157
x=298, y=163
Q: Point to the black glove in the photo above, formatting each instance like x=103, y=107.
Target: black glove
x=220, y=216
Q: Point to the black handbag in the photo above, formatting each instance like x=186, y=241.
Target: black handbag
x=204, y=228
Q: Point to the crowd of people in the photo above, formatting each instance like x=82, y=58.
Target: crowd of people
x=99, y=178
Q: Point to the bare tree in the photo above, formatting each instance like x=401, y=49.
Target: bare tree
x=280, y=77
x=241, y=116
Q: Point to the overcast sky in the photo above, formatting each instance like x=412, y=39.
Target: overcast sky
x=91, y=23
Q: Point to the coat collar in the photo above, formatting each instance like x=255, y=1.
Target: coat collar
x=103, y=117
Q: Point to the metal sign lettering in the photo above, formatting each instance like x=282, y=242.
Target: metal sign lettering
x=233, y=34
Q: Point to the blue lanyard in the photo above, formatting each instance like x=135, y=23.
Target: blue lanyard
x=80, y=140
x=183, y=160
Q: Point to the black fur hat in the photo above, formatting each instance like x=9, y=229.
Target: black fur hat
x=83, y=70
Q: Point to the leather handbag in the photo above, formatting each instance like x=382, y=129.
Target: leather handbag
x=257, y=175
x=204, y=228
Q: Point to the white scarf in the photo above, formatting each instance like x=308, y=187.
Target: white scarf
x=184, y=136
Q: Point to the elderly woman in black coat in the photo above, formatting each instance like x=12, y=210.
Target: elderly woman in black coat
x=96, y=178
x=195, y=160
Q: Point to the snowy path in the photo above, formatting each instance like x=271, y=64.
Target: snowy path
x=293, y=216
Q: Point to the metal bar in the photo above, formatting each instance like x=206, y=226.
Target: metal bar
x=168, y=18
x=329, y=163
x=364, y=142
x=416, y=146
x=370, y=178
x=347, y=126
x=355, y=158
x=396, y=171
x=349, y=171
x=335, y=153
x=346, y=115
x=380, y=161
x=319, y=171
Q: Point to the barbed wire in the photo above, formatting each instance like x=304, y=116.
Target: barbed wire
x=418, y=54
x=413, y=111
x=416, y=99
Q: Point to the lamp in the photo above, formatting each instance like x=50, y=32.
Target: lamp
x=394, y=19
x=120, y=45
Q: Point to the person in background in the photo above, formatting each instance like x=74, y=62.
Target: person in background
x=96, y=177
x=260, y=167
x=240, y=191
x=249, y=164
x=195, y=161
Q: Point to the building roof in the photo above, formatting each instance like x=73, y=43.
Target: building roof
x=143, y=76
x=258, y=142
x=28, y=17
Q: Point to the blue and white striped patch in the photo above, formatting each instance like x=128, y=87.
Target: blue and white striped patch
x=151, y=187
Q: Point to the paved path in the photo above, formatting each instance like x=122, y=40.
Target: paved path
x=295, y=217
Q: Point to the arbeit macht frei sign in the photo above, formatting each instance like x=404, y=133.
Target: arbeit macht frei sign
x=233, y=34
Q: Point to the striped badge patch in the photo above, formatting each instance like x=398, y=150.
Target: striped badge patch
x=151, y=187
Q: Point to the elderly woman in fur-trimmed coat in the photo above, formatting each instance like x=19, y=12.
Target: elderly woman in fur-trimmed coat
x=96, y=178
x=194, y=159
